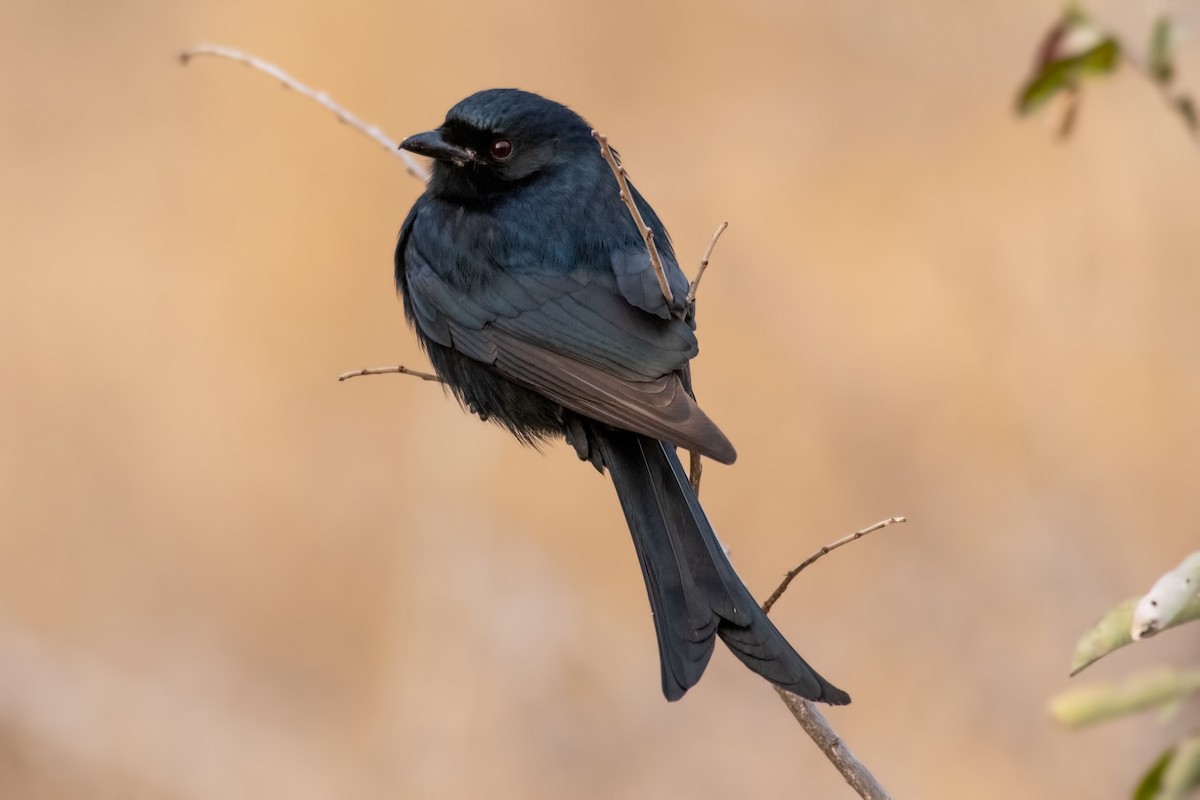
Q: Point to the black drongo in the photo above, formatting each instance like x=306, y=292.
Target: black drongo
x=531, y=290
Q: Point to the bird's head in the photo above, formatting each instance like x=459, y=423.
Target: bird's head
x=497, y=139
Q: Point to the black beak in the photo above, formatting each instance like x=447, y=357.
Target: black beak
x=433, y=145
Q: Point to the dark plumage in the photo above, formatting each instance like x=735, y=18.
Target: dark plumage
x=529, y=287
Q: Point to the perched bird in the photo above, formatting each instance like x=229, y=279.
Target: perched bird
x=532, y=292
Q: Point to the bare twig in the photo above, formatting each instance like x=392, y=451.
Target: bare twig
x=691, y=295
x=806, y=713
x=627, y=196
x=787, y=579
x=817, y=727
x=344, y=116
x=695, y=468
x=399, y=370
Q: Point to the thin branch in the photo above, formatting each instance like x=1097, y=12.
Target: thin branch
x=696, y=466
x=695, y=469
x=787, y=579
x=691, y=295
x=806, y=713
x=1179, y=102
x=344, y=116
x=398, y=370
x=647, y=234
x=817, y=727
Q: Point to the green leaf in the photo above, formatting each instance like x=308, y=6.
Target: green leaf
x=1160, y=66
x=1113, y=632
x=1079, y=708
x=1101, y=59
x=1151, y=783
x=1182, y=774
x=1064, y=73
x=1053, y=78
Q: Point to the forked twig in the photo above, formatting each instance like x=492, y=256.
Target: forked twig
x=647, y=234
x=829, y=548
x=806, y=712
x=344, y=116
x=398, y=370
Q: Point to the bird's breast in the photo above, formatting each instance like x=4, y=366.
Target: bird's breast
x=467, y=246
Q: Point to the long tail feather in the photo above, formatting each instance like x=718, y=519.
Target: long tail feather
x=695, y=594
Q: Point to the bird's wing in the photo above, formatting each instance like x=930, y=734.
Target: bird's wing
x=635, y=276
x=660, y=408
x=572, y=337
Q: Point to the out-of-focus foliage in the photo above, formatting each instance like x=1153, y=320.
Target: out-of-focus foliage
x=1159, y=61
x=1174, y=774
x=1077, y=49
x=1079, y=708
x=1151, y=783
x=1072, y=50
x=1172, y=601
x=1112, y=632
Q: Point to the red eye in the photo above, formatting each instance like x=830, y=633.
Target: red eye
x=501, y=149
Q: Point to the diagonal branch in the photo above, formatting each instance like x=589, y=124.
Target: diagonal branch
x=712, y=243
x=819, y=730
x=344, y=116
x=647, y=234
x=792, y=573
x=806, y=713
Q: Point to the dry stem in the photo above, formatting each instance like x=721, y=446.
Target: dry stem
x=805, y=711
x=787, y=579
x=817, y=727
x=691, y=295
x=344, y=116
x=647, y=234
x=695, y=468
x=399, y=370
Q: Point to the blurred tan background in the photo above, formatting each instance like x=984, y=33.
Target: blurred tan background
x=225, y=575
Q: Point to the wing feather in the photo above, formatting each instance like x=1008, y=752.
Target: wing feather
x=571, y=335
